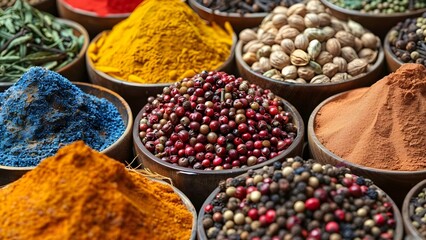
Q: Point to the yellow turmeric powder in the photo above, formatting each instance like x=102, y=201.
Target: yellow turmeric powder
x=82, y=194
x=162, y=41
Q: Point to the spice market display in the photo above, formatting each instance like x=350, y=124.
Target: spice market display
x=208, y=119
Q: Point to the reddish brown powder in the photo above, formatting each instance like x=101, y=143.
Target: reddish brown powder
x=382, y=126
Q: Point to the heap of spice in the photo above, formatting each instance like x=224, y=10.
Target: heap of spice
x=82, y=194
x=215, y=121
x=163, y=49
x=8, y=3
x=407, y=40
x=43, y=111
x=305, y=44
x=380, y=6
x=382, y=126
x=298, y=200
x=29, y=37
x=244, y=6
x=417, y=211
x=105, y=7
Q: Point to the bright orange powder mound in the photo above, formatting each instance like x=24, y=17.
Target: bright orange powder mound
x=382, y=126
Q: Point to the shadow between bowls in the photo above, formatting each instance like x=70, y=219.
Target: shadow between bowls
x=238, y=22
x=411, y=232
x=75, y=71
x=136, y=94
x=197, y=184
x=201, y=233
x=377, y=23
x=48, y=6
x=120, y=150
x=392, y=62
x=90, y=20
x=305, y=97
x=395, y=183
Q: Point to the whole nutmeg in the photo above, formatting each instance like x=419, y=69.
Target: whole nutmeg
x=248, y=35
x=268, y=38
x=288, y=46
x=289, y=72
x=324, y=18
x=299, y=58
x=268, y=26
x=368, y=54
x=314, y=48
x=249, y=58
x=333, y=47
x=264, y=51
x=316, y=67
x=296, y=21
x=264, y=64
x=256, y=67
x=339, y=77
x=312, y=20
x=358, y=45
x=330, y=69
x=297, y=9
x=349, y=54
x=369, y=40
x=301, y=42
x=276, y=47
x=277, y=77
x=318, y=79
x=324, y=57
x=314, y=33
x=341, y=63
x=271, y=73
x=307, y=73
x=252, y=46
x=279, y=20
x=328, y=32
x=279, y=59
x=301, y=81
x=345, y=38
x=315, y=6
x=338, y=25
x=287, y=32
x=356, y=29
x=280, y=9
x=357, y=66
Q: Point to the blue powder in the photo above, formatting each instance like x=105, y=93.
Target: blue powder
x=43, y=111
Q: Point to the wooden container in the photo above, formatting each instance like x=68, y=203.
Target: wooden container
x=201, y=233
x=305, y=97
x=407, y=211
x=377, y=23
x=136, y=94
x=238, y=22
x=120, y=149
x=392, y=62
x=197, y=184
x=90, y=20
x=395, y=183
x=74, y=71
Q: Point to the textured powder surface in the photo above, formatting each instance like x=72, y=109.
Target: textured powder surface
x=82, y=194
x=43, y=111
x=382, y=126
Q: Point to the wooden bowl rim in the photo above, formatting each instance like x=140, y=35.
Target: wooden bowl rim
x=202, y=233
x=76, y=26
x=238, y=54
x=89, y=13
x=297, y=120
x=411, y=230
x=349, y=12
x=316, y=141
x=41, y=3
x=126, y=132
x=198, y=6
x=114, y=80
x=388, y=50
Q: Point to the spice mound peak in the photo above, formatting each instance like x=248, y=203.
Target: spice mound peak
x=43, y=111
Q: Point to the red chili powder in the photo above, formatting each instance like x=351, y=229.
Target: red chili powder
x=105, y=7
x=382, y=126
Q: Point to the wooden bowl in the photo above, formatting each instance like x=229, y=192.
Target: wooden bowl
x=121, y=149
x=201, y=233
x=392, y=62
x=75, y=71
x=197, y=184
x=238, y=22
x=305, y=97
x=48, y=6
x=411, y=232
x=377, y=23
x=90, y=20
x=136, y=94
x=395, y=183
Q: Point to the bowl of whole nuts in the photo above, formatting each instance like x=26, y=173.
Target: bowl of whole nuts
x=213, y=126
x=310, y=53
x=377, y=16
x=413, y=212
x=405, y=43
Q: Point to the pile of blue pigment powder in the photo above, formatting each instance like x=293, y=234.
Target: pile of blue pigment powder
x=44, y=111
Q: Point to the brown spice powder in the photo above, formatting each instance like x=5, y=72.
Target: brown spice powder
x=382, y=126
